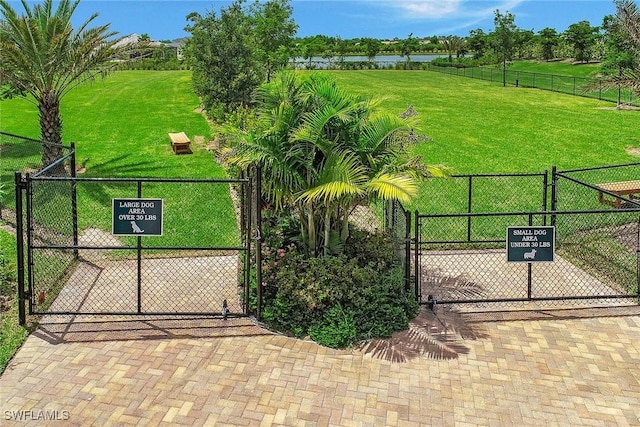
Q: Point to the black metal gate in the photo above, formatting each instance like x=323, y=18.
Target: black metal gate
x=75, y=264
x=462, y=257
x=596, y=259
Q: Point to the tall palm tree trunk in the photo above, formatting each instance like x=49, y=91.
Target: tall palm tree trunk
x=51, y=128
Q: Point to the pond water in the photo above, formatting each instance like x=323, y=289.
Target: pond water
x=381, y=60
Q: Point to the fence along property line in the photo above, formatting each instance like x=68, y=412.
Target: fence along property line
x=570, y=85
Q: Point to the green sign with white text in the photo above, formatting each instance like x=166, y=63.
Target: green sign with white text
x=530, y=244
x=137, y=217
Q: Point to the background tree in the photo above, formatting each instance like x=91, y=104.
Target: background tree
x=477, y=43
x=503, y=40
x=371, y=47
x=408, y=46
x=582, y=36
x=523, y=43
x=341, y=48
x=224, y=60
x=274, y=31
x=454, y=44
x=43, y=58
x=622, y=34
x=232, y=54
x=549, y=39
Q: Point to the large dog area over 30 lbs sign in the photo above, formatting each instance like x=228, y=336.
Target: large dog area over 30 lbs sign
x=137, y=217
x=530, y=244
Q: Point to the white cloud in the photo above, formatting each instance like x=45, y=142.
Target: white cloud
x=455, y=9
x=430, y=8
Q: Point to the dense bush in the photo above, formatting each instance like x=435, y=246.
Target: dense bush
x=337, y=300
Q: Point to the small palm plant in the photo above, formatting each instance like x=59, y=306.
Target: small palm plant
x=324, y=151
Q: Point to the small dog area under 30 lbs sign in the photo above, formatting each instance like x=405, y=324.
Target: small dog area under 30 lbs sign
x=530, y=244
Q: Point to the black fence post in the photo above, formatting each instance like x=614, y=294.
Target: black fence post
x=19, y=186
x=416, y=261
x=554, y=193
x=28, y=191
x=74, y=200
x=139, y=258
x=244, y=190
x=469, y=207
x=257, y=201
x=545, y=185
x=638, y=261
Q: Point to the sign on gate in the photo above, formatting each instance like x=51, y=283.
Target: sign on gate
x=530, y=244
x=137, y=217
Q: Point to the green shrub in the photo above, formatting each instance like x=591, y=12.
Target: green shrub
x=384, y=307
x=337, y=300
x=376, y=249
x=336, y=328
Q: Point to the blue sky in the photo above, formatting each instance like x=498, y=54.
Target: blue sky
x=165, y=19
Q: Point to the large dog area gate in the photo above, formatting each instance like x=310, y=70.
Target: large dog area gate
x=169, y=249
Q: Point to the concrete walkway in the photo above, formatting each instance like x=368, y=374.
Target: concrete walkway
x=543, y=368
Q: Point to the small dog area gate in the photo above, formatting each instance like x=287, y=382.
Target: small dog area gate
x=169, y=248
x=533, y=259
x=593, y=265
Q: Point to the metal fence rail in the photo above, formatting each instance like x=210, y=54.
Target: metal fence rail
x=582, y=188
x=571, y=85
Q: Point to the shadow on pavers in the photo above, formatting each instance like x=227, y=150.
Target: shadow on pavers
x=71, y=329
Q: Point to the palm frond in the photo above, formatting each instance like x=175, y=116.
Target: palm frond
x=629, y=15
x=340, y=175
x=377, y=133
x=393, y=186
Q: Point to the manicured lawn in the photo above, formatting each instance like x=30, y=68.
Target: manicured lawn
x=563, y=68
x=482, y=127
x=120, y=127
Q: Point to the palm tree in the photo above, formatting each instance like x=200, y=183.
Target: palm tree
x=454, y=44
x=43, y=58
x=325, y=151
x=629, y=15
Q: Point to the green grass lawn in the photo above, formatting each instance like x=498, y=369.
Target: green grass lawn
x=563, y=68
x=120, y=126
x=482, y=127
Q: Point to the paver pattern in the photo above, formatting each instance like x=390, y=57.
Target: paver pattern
x=540, y=368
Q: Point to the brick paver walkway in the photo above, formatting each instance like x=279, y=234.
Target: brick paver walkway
x=578, y=368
